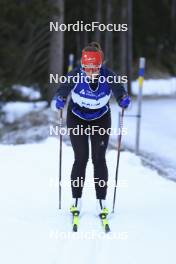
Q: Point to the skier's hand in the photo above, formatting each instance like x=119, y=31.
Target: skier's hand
x=124, y=101
x=60, y=103
x=57, y=104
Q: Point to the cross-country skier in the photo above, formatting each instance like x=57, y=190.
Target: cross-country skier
x=89, y=107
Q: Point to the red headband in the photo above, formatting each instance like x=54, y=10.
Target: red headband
x=91, y=58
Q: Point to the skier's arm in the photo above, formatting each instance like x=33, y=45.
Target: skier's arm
x=118, y=89
x=63, y=91
x=65, y=88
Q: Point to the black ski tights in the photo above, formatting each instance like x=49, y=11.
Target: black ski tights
x=80, y=144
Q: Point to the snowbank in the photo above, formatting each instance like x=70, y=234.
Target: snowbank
x=156, y=87
x=158, y=130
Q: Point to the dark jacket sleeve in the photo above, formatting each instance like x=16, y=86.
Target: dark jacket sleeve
x=65, y=88
x=118, y=89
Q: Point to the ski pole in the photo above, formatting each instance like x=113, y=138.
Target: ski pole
x=118, y=158
x=70, y=67
x=60, y=158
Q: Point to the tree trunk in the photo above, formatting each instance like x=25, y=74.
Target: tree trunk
x=85, y=39
x=173, y=22
x=123, y=39
x=56, y=58
x=109, y=35
x=78, y=47
x=126, y=41
x=98, y=19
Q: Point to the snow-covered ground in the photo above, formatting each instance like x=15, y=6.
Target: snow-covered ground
x=158, y=132
x=161, y=87
x=34, y=231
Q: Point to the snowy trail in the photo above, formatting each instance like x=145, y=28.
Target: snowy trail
x=158, y=130
x=32, y=229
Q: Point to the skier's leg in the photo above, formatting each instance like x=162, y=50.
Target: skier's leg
x=99, y=145
x=101, y=203
x=81, y=153
x=77, y=203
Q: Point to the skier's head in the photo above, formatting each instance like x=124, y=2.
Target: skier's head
x=92, y=58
